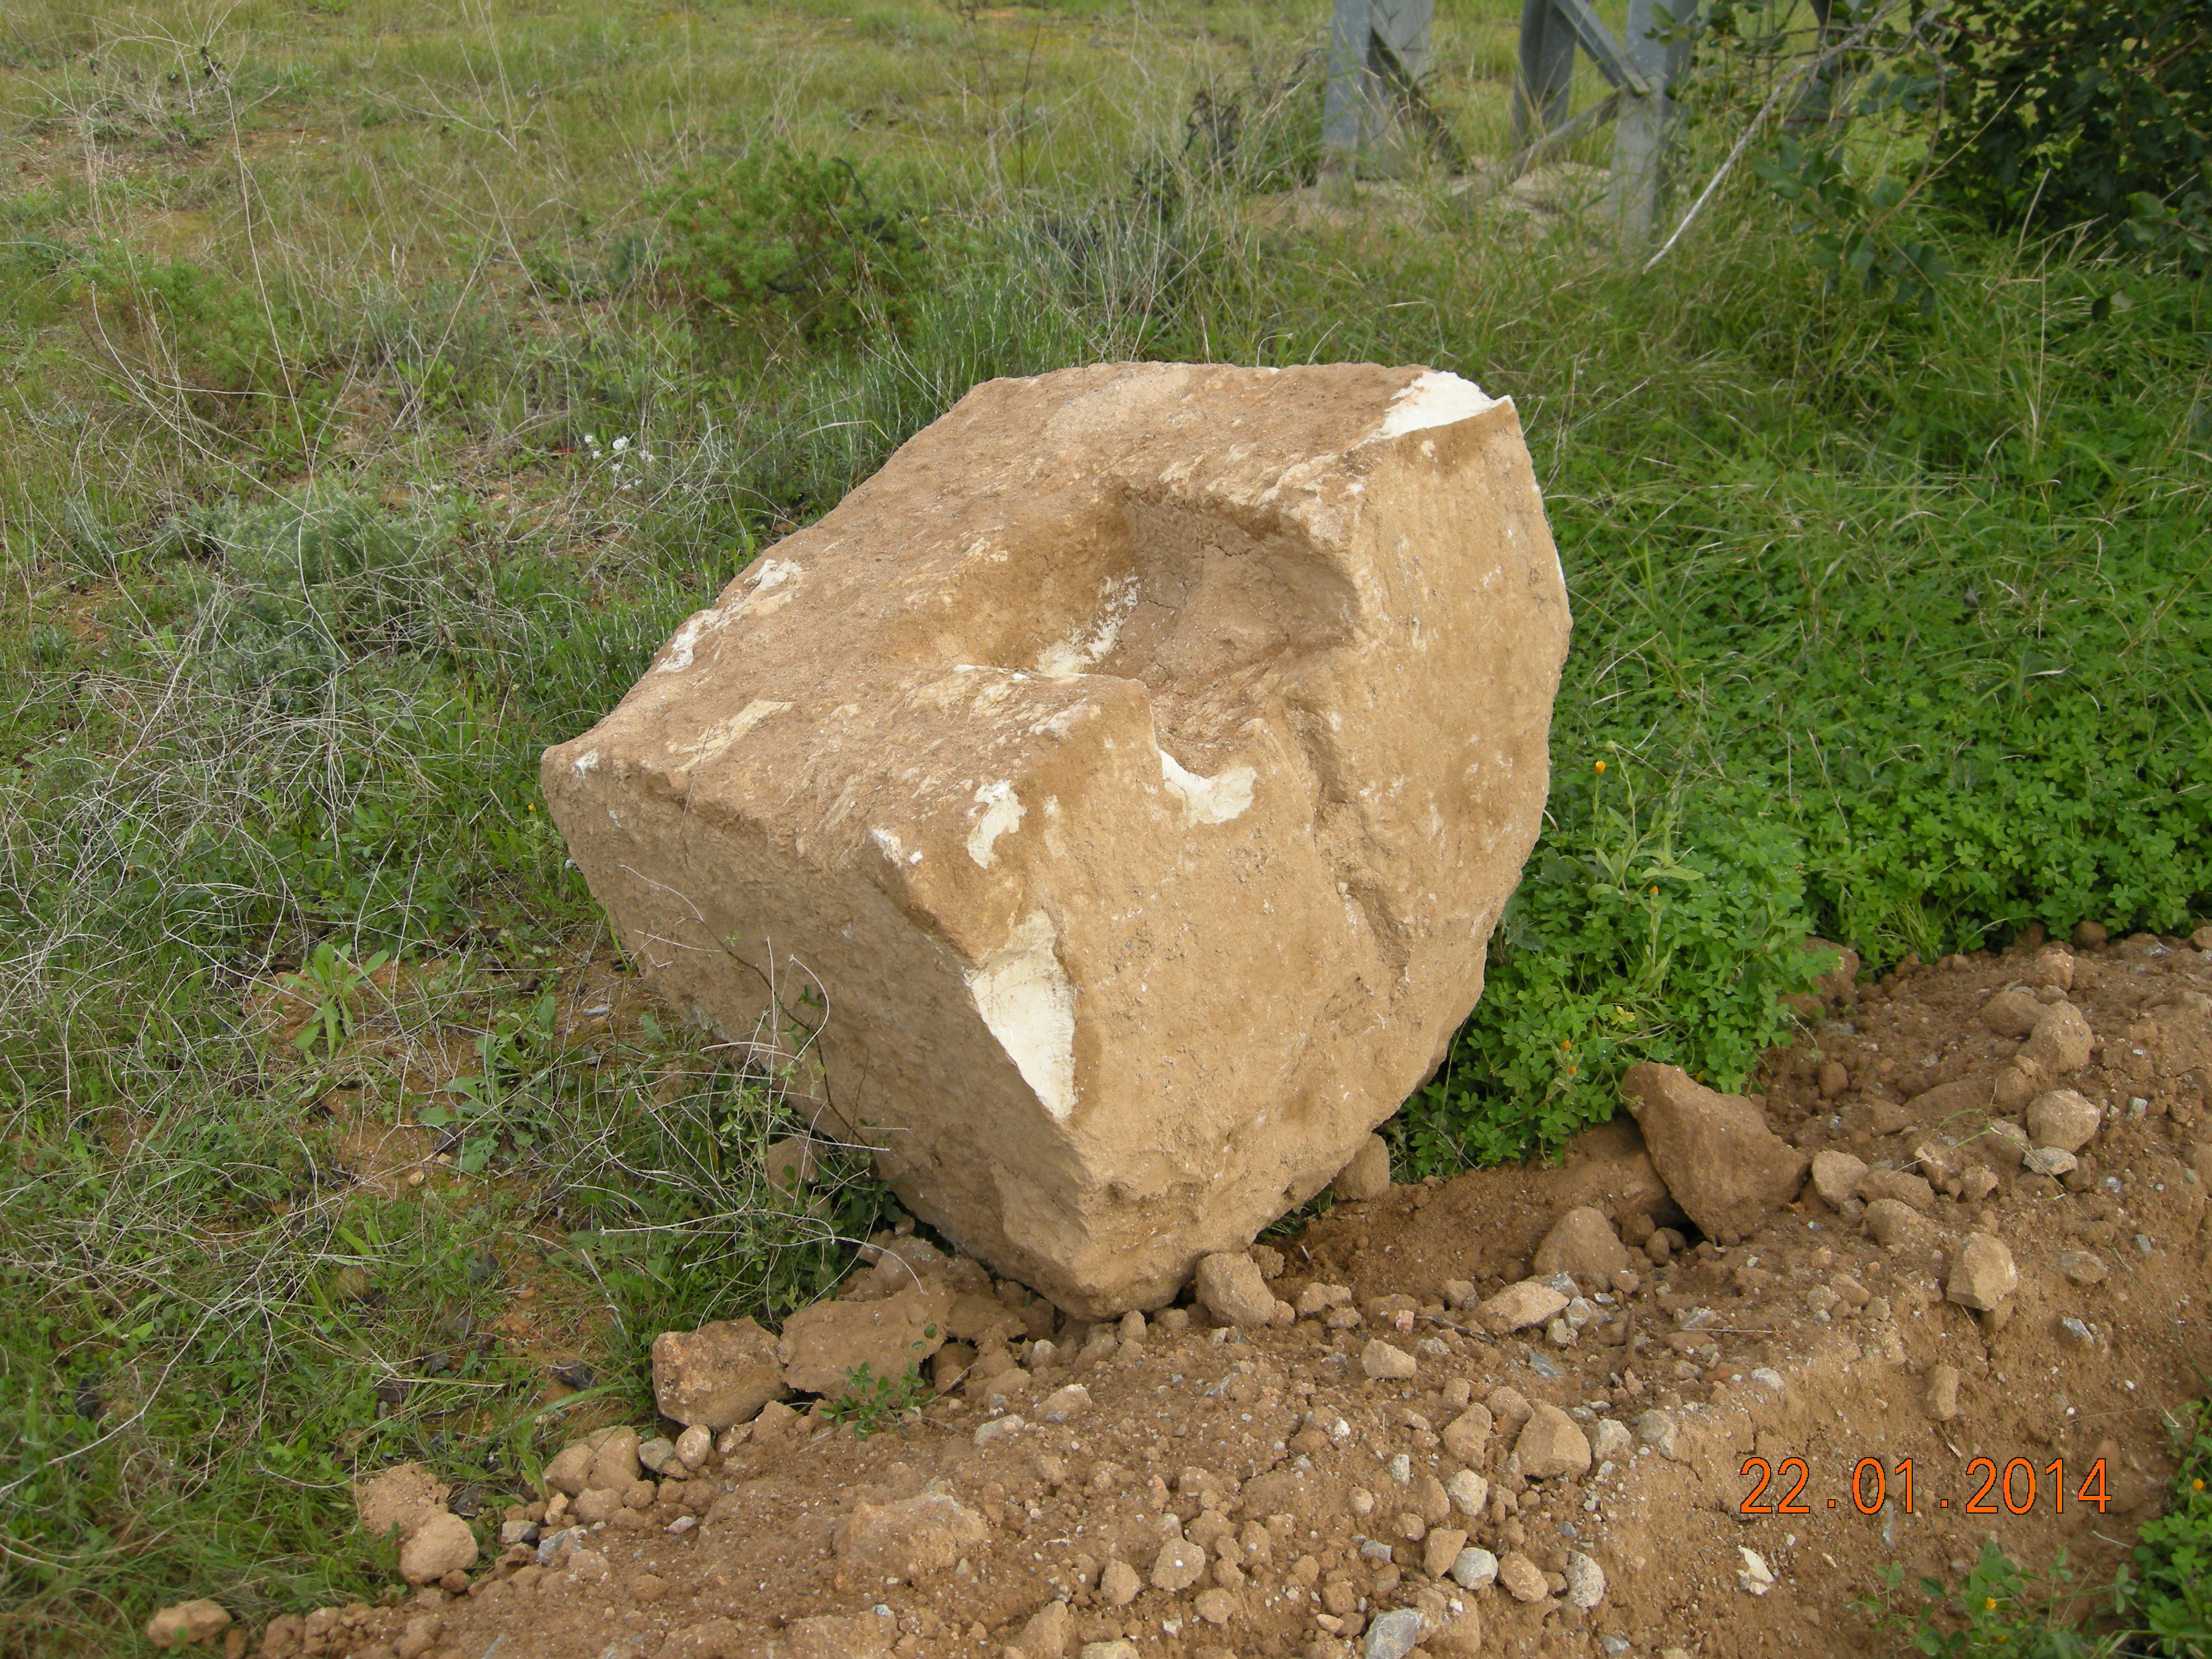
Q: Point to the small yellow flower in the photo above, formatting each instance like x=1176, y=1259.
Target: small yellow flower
x=1991, y=1605
x=1601, y=767
x=2196, y=1485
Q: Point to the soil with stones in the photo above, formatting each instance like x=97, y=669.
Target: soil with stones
x=1378, y=1465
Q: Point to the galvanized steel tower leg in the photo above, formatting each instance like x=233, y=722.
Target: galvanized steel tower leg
x=1377, y=51
x=1639, y=149
x=1547, y=69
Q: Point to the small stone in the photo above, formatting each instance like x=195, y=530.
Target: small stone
x=1216, y=1606
x=1047, y=1633
x=1726, y=1169
x=1233, y=1286
x=614, y=1465
x=1474, y=1568
x=1943, y=1392
x=693, y=1446
x=2076, y=1333
x=1131, y=1329
x=2063, y=1119
x=1384, y=1363
x=441, y=1543
x=907, y=1540
x=1893, y=1224
x=1581, y=1242
x=1119, y=1585
x=1516, y=1308
x=1368, y=1175
x=646, y=1586
x=1914, y=1190
x=1836, y=1176
x=1440, y=1548
x=184, y=1623
x=1393, y=1635
x=1757, y=1577
x=1978, y=1184
x=2060, y=1044
x=1833, y=1080
x=2049, y=1161
x=1469, y=1493
x=1521, y=1578
x=1063, y=1404
x=1109, y=1651
x=1585, y=1581
x=1982, y=1273
x=403, y=1494
x=2082, y=1267
x=823, y=1346
x=1466, y=1437
x=1316, y=1299
x=2012, y=1013
x=2202, y=939
x=998, y=1428
x=659, y=1452
x=717, y=1376
x=1611, y=1441
x=1552, y=1444
x=1179, y=1564
x=598, y=1504
x=2004, y=1142
x=1656, y=1429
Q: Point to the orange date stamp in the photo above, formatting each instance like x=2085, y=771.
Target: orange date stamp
x=2015, y=1488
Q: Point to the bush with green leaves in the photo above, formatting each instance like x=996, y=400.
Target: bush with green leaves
x=2063, y=113
x=2167, y=1596
x=777, y=232
x=1661, y=930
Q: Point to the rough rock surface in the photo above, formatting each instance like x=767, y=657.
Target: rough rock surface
x=1836, y=1176
x=1231, y=1284
x=398, y=1497
x=1517, y=1307
x=1983, y=1275
x=717, y=1377
x=1138, y=763
x=187, y=1622
x=1581, y=1242
x=2062, y=1119
x=1551, y=1445
x=1726, y=1169
x=823, y=1345
x=904, y=1540
x=440, y=1543
x=1367, y=1175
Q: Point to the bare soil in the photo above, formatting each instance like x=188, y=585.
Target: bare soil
x=1806, y=1341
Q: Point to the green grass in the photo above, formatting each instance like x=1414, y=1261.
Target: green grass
x=321, y=327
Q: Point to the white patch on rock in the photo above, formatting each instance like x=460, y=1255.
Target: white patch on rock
x=1002, y=816
x=1078, y=651
x=722, y=734
x=1025, y=998
x=1207, y=800
x=1434, y=400
x=587, y=763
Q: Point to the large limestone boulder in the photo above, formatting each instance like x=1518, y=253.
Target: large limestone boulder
x=1106, y=807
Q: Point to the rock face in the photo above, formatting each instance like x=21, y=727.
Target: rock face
x=1233, y=1286
x=1581, y=1242
x=1726, y=1169
x=717, y=1377
x=1138, y=763
x=823, y=1346
x=1982, y=1274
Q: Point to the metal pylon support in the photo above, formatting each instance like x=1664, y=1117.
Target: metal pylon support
x=1378, y=50
x=1638, y=74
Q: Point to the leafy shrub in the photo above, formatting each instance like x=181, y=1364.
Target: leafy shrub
x=2169, y=1595
x=794, y=235
x=1665, y=932
x=2077, y=112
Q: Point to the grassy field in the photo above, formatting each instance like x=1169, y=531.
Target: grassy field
x=384, y=382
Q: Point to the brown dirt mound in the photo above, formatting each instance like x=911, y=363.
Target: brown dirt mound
x=1256, y=1493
